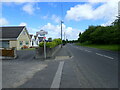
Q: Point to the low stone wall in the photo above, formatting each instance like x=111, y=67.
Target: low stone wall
x=50, y=52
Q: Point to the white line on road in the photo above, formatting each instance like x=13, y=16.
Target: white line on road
x=57, y=78
x=99, y=54
x=108, y=57
x=88, y=51
x=104, y=56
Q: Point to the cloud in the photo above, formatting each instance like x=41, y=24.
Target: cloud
x=18, y=1
x=54, y=31
x=23, y=24
x=28, y=8
x=44, y=17
x=55, y=18
x=87, y=11
x=3, y=21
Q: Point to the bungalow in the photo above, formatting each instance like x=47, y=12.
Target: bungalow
x=14, y=36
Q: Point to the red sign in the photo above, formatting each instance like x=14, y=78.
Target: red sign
x=44, y=37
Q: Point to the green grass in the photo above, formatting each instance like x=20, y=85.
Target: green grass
x=104, y=47
x=29, y=49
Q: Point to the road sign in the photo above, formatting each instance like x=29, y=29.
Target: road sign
x=42, y=33
x=44, y=37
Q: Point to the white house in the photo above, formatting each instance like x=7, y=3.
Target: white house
x=35, y=40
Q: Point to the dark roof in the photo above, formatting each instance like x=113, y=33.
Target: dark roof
x=35, y=37
x=11, y=31
x=40, y=38
x=31, y=35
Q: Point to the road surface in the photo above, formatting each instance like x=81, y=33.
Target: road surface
x=73, y=67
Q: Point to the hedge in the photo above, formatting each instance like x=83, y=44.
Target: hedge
x=52, y=44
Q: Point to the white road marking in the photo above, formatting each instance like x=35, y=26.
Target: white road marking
x=99, y=54
x=108, y=57
x=57, y=78
x=104, y=56
x=88, y=51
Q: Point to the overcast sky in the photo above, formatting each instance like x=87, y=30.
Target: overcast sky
x=77, y=16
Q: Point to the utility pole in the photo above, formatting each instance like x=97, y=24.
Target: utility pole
x=61, y=31
x=64, y=35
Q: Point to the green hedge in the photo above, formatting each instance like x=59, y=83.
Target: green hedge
x=52, y=44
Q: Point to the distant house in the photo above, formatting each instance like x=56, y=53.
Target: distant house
x=40, y=39
x=35, y=40
x=14, y=36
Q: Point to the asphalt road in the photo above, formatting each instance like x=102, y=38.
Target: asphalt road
x=73, y=67
x=95, y=68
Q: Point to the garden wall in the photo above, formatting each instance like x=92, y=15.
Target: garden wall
x=50, y=52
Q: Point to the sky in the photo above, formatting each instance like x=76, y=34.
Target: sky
x=77, y=16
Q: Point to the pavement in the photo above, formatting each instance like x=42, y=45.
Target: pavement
x=73, y=67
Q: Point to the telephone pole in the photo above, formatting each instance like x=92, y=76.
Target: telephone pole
x=61, y=31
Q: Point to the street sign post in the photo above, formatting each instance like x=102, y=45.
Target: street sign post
x=43, y=33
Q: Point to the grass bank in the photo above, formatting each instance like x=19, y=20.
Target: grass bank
x=28, y=49
x=104, y=47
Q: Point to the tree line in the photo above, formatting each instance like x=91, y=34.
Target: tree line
x=101, y=34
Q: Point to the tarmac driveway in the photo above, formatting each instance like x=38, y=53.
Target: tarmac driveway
x=18, y=71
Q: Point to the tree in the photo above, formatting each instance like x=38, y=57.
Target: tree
x=50, y=39
x=79, y=37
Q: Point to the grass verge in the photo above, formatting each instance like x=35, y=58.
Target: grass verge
x=29, y=49
x=103, y=47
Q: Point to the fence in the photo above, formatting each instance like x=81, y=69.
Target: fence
x=8, y=52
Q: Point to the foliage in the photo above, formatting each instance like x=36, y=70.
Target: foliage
x=101, y=34
x=52, y=44
x=50, y=39
x=104, y=47
x=58, y=41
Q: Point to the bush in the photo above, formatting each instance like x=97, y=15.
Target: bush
x=24, y=47
x=52, y=44
x=58, y=41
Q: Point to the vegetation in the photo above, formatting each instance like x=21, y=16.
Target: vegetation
x=50, y=39
x=101, y=34
x=29, y=49
x=104, y=47
x=103, y=37
x=52, y=44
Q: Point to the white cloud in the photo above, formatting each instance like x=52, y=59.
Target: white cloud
x=87, y=11
x=45, y=17
x=23, y=24
x=28, y=8
x=55, y=18
x=54, y=31
x=17, y=1
x=3, y=21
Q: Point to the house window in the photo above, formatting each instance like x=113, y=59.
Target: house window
x=21, y=43
x=27, y=42
x=5, y=44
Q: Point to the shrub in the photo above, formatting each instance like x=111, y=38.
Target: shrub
x=24, y=47
x=52, y=44
x=41, y=44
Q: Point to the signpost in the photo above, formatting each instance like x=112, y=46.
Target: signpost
x=43, y=33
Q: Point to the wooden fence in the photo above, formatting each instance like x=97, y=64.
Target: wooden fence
x=7, y=52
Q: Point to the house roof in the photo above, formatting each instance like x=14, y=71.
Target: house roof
x=35, y=37
x=40, y=38
x=31, y=35
x=11, y=32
